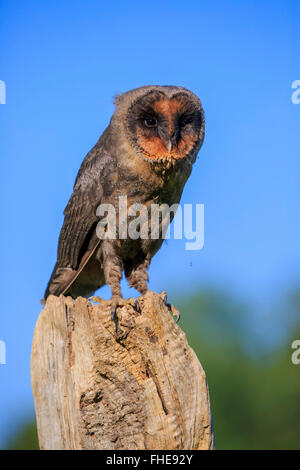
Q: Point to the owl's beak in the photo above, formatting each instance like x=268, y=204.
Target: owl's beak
x=168, y=145
x=169, y=141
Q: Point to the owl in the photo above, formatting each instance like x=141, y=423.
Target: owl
x=146, y=155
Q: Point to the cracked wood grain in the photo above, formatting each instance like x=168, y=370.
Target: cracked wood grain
x=143, y=388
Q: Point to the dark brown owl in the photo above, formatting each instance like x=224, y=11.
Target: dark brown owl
x=146, y=154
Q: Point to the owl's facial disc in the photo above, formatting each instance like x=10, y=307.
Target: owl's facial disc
x=165, y=128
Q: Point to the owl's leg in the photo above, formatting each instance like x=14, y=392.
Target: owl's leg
x=112, y=267
x=137, y=275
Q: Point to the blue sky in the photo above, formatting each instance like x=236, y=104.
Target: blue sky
x=63, y=62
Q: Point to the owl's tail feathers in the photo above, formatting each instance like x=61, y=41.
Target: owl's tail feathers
x=60, y=278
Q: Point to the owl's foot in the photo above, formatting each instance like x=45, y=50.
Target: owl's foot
x=137, y=307
x=175, y=313
x=117, y=302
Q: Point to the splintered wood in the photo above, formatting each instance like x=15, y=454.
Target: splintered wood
x=140, y=388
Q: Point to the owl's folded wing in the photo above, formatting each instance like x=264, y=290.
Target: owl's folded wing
x=80, y=221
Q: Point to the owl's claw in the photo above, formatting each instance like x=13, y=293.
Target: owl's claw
x=164, y=296
x=175, y=313
x=137, y=306
x=115, y=301
x=113, y=314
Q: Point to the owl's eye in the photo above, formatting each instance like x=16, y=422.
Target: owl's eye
x=182, y=123
x=150, y=122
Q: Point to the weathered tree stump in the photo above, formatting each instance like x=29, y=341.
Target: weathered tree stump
x=142, y=388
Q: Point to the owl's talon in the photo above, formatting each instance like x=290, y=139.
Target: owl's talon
x=113, y=314
x=164, y=296
x=115, y=303
x=175, y=313
x=137, y=306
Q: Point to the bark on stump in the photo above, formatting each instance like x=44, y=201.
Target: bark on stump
x=143, y=388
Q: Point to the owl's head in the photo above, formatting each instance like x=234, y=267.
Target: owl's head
x=163, y=122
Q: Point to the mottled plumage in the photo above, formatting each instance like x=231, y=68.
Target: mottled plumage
x=146, y=153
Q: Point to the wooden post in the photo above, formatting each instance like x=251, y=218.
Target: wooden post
x=142, y=388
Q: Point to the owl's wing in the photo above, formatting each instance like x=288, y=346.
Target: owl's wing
x=93, y=181
x=80, y=218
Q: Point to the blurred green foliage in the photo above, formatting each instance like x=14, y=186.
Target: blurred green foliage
x=254, y=390
x=25, y=438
